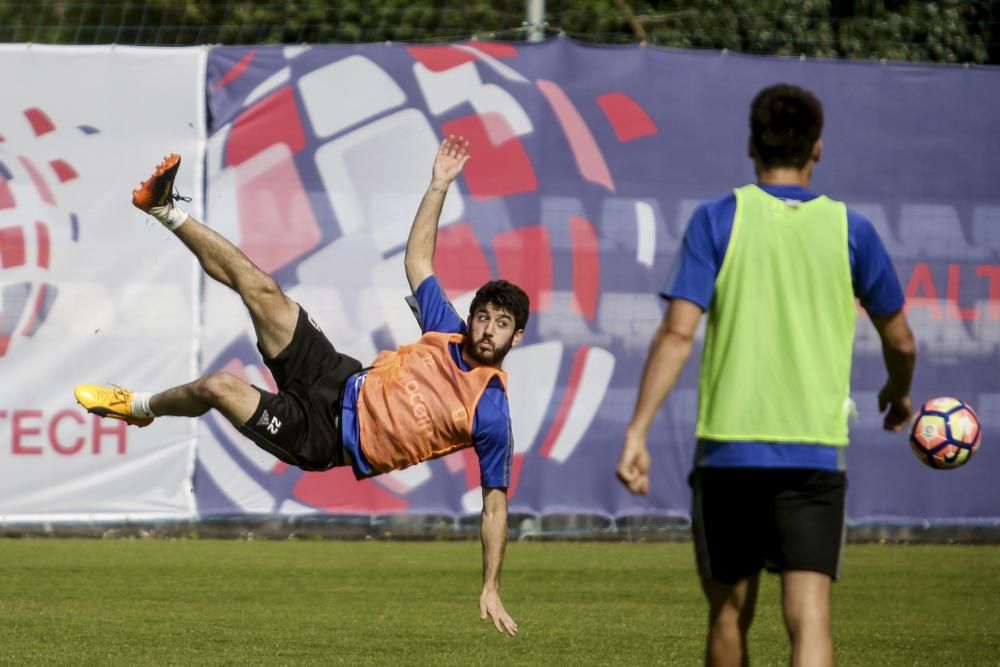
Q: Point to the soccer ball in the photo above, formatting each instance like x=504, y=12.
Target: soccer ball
x=945, y=433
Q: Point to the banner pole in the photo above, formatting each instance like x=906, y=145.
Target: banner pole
x=534, y=18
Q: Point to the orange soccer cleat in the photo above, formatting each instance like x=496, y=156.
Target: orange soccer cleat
x=157, y=190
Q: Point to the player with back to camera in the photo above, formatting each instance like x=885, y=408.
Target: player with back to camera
x=441, y=394
x=777, y=268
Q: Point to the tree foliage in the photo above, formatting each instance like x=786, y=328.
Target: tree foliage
x=943, y=31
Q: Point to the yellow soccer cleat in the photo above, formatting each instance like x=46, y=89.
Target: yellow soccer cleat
x=113, y=402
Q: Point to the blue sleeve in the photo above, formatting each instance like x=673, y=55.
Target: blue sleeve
x=697, y=264
x=434, y=311
x=875, y=281
x=493, y=438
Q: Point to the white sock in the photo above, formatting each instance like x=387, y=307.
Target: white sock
x=170, y=216
x=140, y=404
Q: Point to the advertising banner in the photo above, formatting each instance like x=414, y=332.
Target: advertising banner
x=91, y=290
x=587, y=163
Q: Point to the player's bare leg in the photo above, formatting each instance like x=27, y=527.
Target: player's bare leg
x=227, y=393
x=273, y=314
x=730, y=614
x=806, y=604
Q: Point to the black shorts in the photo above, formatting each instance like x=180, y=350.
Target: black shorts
x=300, y=425
x=745, y=519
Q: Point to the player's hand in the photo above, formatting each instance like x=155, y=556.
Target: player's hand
x=491, y=606
x=899, y=409
x=451, y=157
x=633, y=466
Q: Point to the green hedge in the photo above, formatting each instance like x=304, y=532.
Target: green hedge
x=946, y=31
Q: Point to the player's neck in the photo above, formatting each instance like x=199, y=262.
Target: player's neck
x=470, y=362
x=785, y=176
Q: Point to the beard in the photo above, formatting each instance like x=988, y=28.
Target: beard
x=487, y=356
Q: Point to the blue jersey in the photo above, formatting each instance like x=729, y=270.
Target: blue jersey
x=491, y=430
x=693, y=276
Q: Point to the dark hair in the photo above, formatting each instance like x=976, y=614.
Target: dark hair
x=785, y=122
x=506, y=296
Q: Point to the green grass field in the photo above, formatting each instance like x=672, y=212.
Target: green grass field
x=184, y=602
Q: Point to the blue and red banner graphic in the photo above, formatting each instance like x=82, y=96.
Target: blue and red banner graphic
x=587, y=162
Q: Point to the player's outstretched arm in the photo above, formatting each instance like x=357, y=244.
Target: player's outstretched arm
x=493, y=532
x=448, y=163
x=668, y=353
x=899, y=351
